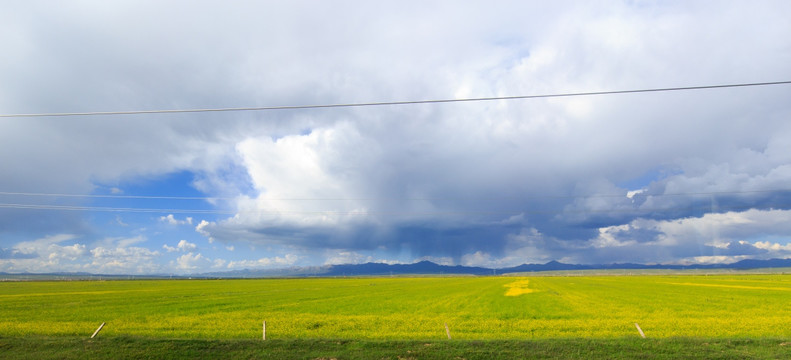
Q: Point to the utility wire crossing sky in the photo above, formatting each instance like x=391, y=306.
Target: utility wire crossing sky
x=388, y=103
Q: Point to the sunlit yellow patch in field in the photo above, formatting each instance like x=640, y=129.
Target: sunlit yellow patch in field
x=517, y=288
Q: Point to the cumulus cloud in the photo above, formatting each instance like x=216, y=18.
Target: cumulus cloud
x=42, y=245
x=192, y=261
x=170, y=219
x=16, y=254
x=69, y=253
x=277, y=261
x=55, y=254
x=713, y=237
x=183, y=246
x=477, y=258
x=201, y=229
x=124, y=260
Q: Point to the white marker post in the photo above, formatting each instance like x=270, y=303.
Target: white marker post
x=97, y=330
x=447, y=330
x=264, y=329
x=639, y=330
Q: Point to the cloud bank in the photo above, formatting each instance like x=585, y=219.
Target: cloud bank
x=672, y=177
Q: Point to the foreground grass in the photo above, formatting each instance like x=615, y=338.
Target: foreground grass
x=621, y=348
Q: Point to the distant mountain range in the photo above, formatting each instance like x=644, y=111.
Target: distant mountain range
x=430, y=268
x=420, y=268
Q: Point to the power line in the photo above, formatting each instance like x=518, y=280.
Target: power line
x=211, y=198
x=111, y=209
x=207, y=198
x=380, y=212
x=390, y=103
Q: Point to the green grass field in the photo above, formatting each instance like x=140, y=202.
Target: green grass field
x=39, y=348
x=475, y=308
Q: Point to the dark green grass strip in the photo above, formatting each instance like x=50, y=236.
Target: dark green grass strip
x=147, y=348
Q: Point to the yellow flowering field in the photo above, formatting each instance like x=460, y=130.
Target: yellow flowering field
x=404, y=308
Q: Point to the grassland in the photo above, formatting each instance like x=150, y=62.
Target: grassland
x=475, y=308
x=40, y=348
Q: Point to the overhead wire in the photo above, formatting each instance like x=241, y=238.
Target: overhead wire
x=391, y=103
x=357, y=212
x=378, y=212
x=117, y=196
x=110, y=209
x=211, y=198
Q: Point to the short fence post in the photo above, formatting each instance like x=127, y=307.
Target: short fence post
x=97, y=330
x=264, y=329
x=639, y=330
x=447, y=330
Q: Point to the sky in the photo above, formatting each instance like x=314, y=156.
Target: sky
x=676, y=177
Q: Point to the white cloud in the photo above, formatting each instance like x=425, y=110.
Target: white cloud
x=109, y=256
x=170, y=219
x=286, y=260
x=132, y=252
x=120, y=221
x=42, y=245
x=46, y=255
x=124, y=260
x=201, y=229
x=183, y=246
x=630, y=194
x=304, y=167
x=186, y=246
x=477, y=258
x=607, y=237
x=709, y=238
x=775, y=247
x=192, y=261
x=346, y=257
x=69, y=253
x=718, y=259
x=123, y=241
x=219, y=263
